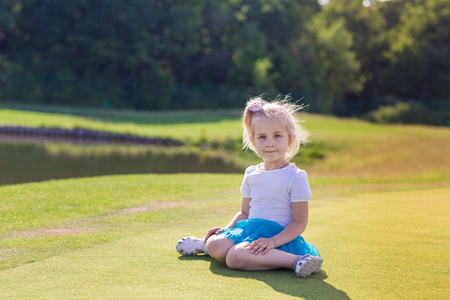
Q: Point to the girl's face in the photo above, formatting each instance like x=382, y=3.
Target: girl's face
x=271, y=142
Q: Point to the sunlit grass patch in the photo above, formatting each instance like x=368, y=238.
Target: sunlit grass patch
x=409, y=158
x=116, y=236
x=390, y=244
x=184, y=126
x=43, y=216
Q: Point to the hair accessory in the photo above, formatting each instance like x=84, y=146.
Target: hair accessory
x=256, y=105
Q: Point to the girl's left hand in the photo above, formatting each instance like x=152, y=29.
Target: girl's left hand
x=262, y=245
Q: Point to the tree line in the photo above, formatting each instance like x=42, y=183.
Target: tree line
x=343, y=57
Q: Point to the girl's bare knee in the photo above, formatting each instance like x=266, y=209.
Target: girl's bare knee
x=218, y=246
x=237, y=258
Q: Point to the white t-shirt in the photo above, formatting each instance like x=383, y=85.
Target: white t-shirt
x=272, y=191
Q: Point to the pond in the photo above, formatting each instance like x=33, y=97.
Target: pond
x=25, y=160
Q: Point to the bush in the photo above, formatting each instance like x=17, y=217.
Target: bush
x=409, y=113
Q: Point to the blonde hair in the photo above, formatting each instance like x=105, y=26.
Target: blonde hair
x=280, y=111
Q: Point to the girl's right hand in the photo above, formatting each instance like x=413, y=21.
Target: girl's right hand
x=215, y=230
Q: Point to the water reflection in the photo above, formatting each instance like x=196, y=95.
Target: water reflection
x=29, y=161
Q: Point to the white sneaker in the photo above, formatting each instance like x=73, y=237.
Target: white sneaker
x=307, y=265
x=191, y=246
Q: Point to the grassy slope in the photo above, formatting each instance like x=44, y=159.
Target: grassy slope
x=209, y=124
x=177, y=125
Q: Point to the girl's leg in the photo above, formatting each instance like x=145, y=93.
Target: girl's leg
x=218, y=246
x=240, y=258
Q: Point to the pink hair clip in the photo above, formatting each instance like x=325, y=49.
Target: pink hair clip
x=256, y=105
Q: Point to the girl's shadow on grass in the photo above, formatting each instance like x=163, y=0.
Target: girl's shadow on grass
x=283, y=281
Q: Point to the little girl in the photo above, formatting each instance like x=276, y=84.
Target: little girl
x=266, y=233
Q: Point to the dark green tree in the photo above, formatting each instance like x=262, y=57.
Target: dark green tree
x=94, y=52
x=160, y=54
x=419, y=51
x=338, y=70
x=367, y=27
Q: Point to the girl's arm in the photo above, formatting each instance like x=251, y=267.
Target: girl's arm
x=241, y=215
x=293, y=230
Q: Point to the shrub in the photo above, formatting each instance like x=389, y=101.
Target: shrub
x=409, y=113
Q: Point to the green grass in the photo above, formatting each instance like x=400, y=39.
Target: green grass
x=36, y=218
x=185, y=126
x=114, y=237
x=210, y=125
x=379, y=216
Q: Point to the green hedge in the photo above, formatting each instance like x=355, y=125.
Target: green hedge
x=410, y=113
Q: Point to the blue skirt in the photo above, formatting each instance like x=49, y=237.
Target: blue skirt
x=250, y=230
